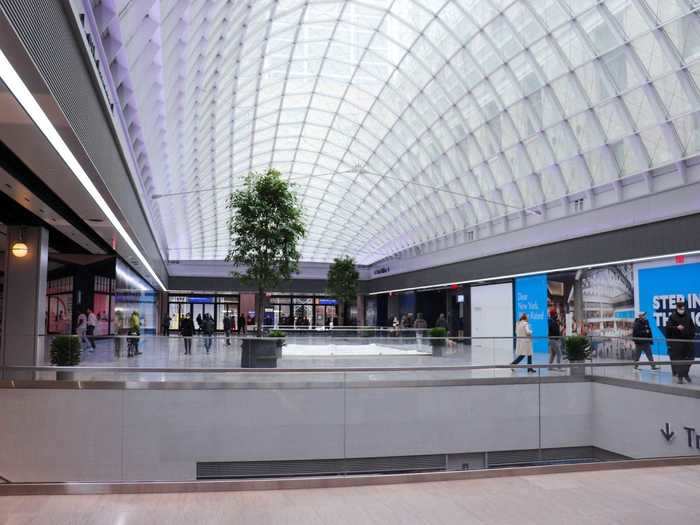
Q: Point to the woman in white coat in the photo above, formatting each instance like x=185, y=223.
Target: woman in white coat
x=523, y=346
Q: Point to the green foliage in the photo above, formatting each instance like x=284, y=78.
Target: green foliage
x=437, y=335
x=265, y=226
x=577, y=348
x=342, y=279
x=438, y=331
x=65, y=350
x=276, y=333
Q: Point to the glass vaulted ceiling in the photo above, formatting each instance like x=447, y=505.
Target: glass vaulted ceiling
x=388, y=114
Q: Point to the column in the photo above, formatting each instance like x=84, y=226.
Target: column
x=361, y=321
x=24, y=300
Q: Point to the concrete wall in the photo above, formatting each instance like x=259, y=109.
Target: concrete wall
x=134, y=434
x=629, y=421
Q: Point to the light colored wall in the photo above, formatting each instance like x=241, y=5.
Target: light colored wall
x=167, y=432
x=108, y=435
x=492, y=310
x=61, y=435
x=629, y=421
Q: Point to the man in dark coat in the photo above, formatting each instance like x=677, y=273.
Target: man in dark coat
x=208, y=327
x=227, y=328
x=187, y=331
x=554, y=341
x=680, y=328
x=641, y=332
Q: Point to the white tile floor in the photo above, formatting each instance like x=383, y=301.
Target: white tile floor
x=336, y=352
x=635, y=497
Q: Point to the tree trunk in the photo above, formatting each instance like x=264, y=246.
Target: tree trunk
x=259, y=299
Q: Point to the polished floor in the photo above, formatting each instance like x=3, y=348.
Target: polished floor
x=635, y=497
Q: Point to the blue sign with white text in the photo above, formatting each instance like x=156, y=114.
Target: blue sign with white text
x=531, y=299
x=659, y=290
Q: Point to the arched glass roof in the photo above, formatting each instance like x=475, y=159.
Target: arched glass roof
x=400, y=121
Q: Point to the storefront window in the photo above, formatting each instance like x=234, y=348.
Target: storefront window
x=60, y=303
x=133, y=294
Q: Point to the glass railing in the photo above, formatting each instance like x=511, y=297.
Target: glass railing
x=403, y=354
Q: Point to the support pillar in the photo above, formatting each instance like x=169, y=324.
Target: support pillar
x=24, y=300
x=361, y=321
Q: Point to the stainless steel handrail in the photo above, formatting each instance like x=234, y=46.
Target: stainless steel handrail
x=134, y=369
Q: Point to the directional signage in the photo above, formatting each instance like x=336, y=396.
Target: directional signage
x=691, y=434
x=667, y=433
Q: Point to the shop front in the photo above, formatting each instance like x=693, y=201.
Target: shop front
x=197, y=305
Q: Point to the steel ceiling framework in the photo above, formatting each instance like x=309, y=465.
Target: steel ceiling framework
x=373, y=107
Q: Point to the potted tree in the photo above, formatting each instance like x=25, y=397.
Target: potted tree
x=265, y=227
x=577, y=349
x=438, y=340
x=65, y=351
x=342, y=284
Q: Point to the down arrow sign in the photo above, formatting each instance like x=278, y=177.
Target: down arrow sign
x=667, y=433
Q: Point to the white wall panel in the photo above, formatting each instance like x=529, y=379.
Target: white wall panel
x=492, y=310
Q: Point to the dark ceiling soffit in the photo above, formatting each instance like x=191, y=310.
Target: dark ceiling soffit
x=648, y=240
x=20, y=171
x=13, y=213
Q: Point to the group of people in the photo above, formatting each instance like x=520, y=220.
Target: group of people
x=85, y=329
x=419, y=323
x=206, y=326
x=680, y=334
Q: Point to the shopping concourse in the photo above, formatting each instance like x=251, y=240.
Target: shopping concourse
x=348, y=261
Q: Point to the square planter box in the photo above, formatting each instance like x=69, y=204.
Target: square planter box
x=260, y=353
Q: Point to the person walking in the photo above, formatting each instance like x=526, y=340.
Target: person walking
x=227, y=328
x=81, y=330
x=641, y=332
x=165, y=325
x=187, y=331
x=523, y=345
x=134, y=330
x=680, y=329
x=91, y=324
x=554, y=341
x=420, y=325
x=208, y=330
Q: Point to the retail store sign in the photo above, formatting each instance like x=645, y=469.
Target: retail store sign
x=201, y=300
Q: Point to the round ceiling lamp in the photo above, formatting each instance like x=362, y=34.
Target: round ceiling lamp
x=20, y=249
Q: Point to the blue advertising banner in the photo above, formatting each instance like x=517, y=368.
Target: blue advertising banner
x=531, y=299
x=660, y=288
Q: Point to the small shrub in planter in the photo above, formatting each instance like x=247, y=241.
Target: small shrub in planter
x=438, y=336
x=577, y=348
x=279, y=334
x=65, y=350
